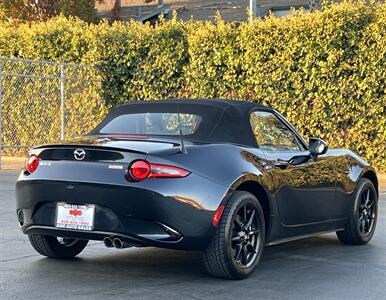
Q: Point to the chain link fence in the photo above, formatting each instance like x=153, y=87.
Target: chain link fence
x=45, y=102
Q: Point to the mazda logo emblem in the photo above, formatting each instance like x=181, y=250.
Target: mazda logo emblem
x=79, y=154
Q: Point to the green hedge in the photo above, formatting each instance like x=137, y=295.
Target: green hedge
x=325, y=71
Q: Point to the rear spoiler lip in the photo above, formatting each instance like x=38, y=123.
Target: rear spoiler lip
x=74, y=144
x=53, y=146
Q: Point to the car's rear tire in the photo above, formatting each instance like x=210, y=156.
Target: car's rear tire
x=238, y=242
x=362, y=221
x=54, y=247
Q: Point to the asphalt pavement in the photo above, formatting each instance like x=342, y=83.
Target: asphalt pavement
x=313, y=268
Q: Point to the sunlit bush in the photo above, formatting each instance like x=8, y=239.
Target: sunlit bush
x=325, y=71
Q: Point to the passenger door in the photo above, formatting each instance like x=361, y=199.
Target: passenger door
x=305, y=190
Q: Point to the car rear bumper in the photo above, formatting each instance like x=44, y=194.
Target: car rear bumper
x=158, y=240
x=177, y=219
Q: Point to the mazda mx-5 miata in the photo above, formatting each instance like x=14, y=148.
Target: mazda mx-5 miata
x=222, y=177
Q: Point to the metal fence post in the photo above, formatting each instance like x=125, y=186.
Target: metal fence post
x=62, y=103
x=254, y=9
x=1, y=108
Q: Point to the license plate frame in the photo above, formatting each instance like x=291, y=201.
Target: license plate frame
x=75, y=216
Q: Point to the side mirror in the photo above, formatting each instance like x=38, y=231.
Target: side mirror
x=317, y=147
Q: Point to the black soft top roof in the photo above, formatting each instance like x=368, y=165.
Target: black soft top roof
x=223, y=121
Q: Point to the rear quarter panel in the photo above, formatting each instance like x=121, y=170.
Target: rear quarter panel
x=226, y=164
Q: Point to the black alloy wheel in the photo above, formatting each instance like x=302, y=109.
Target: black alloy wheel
x=366, y=212
x=238, y=242
x=361, y=224
x=246, y=235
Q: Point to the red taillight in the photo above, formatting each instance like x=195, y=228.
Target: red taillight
x=141, y=170
x=32, y=164
x=217, y=215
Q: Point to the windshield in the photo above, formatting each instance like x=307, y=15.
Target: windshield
x=152, y=124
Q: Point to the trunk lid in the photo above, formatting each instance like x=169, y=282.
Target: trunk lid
x=105, y=148
x=99, y=158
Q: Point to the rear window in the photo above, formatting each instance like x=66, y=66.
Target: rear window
x=152, y=124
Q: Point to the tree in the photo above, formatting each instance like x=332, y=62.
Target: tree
x=28, y=10
x=41, y=10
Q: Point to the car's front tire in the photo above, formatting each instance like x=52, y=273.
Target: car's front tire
x=361, y=224
x=55, y=247
x=238, y=242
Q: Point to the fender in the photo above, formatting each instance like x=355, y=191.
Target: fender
x=356, y=169
x=257, y=185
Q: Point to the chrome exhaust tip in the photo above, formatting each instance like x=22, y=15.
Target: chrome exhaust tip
x=108, y=242
x=119, y=244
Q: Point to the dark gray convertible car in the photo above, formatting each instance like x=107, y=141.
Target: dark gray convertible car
x=222, y=177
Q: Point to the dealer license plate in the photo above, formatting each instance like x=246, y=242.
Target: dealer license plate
x=78, y=217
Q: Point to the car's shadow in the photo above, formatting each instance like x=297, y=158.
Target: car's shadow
x=149, y=267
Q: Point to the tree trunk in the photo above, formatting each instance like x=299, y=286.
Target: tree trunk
x=117, y=10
